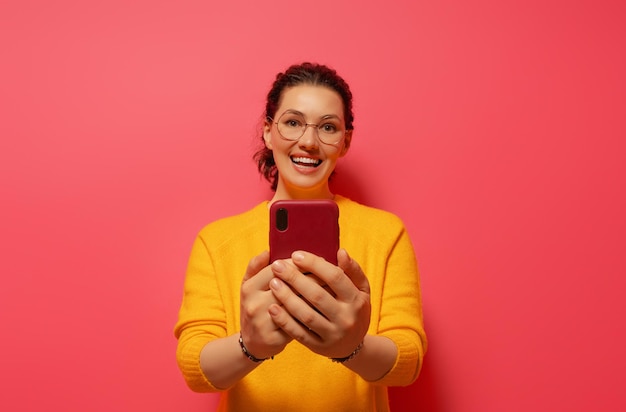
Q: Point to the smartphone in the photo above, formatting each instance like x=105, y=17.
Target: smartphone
x=309, y=225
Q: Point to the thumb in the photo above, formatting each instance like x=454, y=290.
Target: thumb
x=352, y=269
x=257, y=263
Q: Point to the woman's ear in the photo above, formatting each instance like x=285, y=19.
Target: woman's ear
x=267, y=134
x=346, y=142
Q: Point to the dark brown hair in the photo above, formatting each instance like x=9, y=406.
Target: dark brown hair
x=305, y=73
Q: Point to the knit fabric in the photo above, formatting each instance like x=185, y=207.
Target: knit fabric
x=298, y=379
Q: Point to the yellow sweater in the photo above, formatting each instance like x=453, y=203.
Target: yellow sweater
x=298, y=379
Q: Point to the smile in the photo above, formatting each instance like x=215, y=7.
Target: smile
x=306, y=161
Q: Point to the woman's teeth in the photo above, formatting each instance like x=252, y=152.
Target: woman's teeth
x=306, y=161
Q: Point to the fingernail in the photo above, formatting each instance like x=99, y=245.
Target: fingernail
x=297, y=256
x=276, y=284
x=278, y=266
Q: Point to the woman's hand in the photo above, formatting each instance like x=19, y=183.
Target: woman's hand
x=330, y=314
x=260, y=334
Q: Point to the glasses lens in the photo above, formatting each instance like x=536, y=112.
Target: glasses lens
x=330, y=131
x=292, y=126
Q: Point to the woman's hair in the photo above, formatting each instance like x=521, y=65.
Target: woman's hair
x=309, y=74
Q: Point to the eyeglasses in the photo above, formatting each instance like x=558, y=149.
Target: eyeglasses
x=291, y=125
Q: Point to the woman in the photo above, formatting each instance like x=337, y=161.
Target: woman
x=271, y=338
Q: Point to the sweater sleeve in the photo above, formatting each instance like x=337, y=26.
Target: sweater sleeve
x=401, y=317
x=201, y=317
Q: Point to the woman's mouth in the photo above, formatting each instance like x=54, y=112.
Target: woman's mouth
x=306, y=161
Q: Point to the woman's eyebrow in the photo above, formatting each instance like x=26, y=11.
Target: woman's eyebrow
x=329, y=116
x=323, y=117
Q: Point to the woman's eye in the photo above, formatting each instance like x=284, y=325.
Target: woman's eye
x=329, y=128
x=293, y=123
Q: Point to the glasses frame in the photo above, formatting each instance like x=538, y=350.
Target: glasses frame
x=306, y=125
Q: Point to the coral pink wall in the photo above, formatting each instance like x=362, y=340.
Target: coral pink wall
x=494, y=129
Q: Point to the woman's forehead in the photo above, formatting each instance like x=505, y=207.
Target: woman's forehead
x=312, y=99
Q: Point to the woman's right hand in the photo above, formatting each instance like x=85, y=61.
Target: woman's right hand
x=260, y=334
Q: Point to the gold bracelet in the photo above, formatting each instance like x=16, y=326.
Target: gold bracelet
x=350, y=356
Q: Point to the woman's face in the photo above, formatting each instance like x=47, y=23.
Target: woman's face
x=304, y=165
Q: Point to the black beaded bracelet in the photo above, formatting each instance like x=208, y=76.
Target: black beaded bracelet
x=350, y=356
x=248, y=354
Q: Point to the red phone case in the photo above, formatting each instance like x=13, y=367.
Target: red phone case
x=309, y=225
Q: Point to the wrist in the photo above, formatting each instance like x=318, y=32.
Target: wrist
x=247, y=353
x=350, y=356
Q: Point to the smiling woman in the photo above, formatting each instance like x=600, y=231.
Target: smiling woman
x=338, y=342
x=305, y=163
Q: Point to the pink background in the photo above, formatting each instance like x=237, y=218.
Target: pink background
x=495, y=129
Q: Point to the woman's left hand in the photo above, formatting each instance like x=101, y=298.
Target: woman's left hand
x=329, y=314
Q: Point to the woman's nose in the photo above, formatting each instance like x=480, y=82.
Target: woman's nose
x=309, y=138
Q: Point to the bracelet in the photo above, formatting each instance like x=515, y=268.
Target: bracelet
x=248, y=354
x=350, y=356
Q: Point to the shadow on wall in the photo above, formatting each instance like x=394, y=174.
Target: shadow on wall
x=423, y=394
x=346, y=183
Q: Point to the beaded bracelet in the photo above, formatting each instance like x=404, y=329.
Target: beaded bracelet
x=350, y=356
x=248, y=354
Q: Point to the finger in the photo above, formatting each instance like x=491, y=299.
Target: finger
x=255, y=264
x=353, y=270
x=330, y=274
x=307, y=304
x=297, y=284
x=308, y=287
x=255, y=273
x=290, y=325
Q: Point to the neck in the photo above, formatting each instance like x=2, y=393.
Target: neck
x=292, y=193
